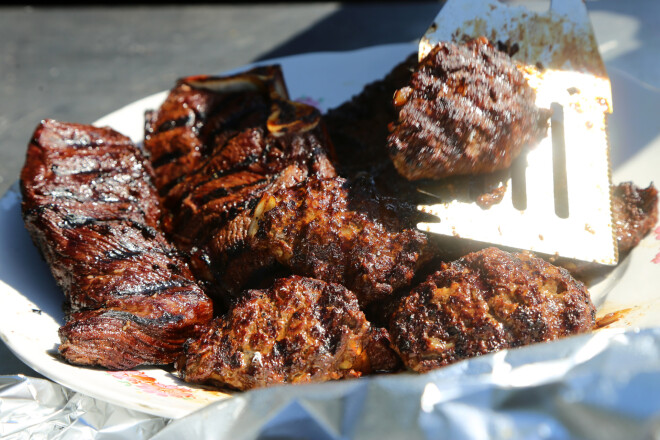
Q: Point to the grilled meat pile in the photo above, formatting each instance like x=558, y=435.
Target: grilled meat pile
x=300, y=330
x=487, y=301
x=297, y=259
x=467, y=110
x=91, y=209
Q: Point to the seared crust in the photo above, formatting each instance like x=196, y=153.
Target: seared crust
x=467, y=110
x=635, y=213
x=90, y=208
x=92, y=172
x=484, y=302
x=340, y=232
x=300, y=330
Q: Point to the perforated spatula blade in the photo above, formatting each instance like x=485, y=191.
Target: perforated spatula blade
x=556, y=198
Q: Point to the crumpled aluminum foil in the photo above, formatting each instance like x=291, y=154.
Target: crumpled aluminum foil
x=604, y=385
x=32, y=408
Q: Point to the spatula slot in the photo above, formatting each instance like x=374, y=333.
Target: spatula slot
x=519, y=183
x=559, y=160
x=477, y=186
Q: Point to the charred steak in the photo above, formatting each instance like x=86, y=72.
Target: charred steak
x=218, y=144
x=199, y=111
x=91, y=209
x=484, y=302
x=467, y=110
x=300, y=330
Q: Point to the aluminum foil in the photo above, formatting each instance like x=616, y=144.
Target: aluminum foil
x=32, y=408
x=604, y=385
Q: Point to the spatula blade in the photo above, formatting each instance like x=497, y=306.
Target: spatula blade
x=565, y=181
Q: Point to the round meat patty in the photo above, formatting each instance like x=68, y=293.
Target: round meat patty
x=484, y=302
x=467, y=110
x=300, y=330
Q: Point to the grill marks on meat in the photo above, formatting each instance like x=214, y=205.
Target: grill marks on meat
x=92, y=211
x=467, y=110
x=90, y=173
x=487, y=301
x=340, y=232
x=241, y=138
x=246, y=178
x=300, y=330
x=635, y=213
x=198, y=111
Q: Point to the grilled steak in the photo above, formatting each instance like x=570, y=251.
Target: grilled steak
x=300, y=330
x=250, y=193
x=467, y=110
x=91, y=209
x=343, y=233
x=235, y=138
x=484, y=302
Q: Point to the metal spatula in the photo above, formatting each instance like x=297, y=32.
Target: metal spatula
x=556, y=198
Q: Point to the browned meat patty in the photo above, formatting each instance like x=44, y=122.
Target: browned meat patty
x=91, y=209
x=484, y=302
x=340, y=232
x=467, y=110
x=300, y=330
x=218, y=144
x=635, y=213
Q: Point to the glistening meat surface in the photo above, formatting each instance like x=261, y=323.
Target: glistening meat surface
x=341, y=232
x=484, y=302
x=635, y=212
